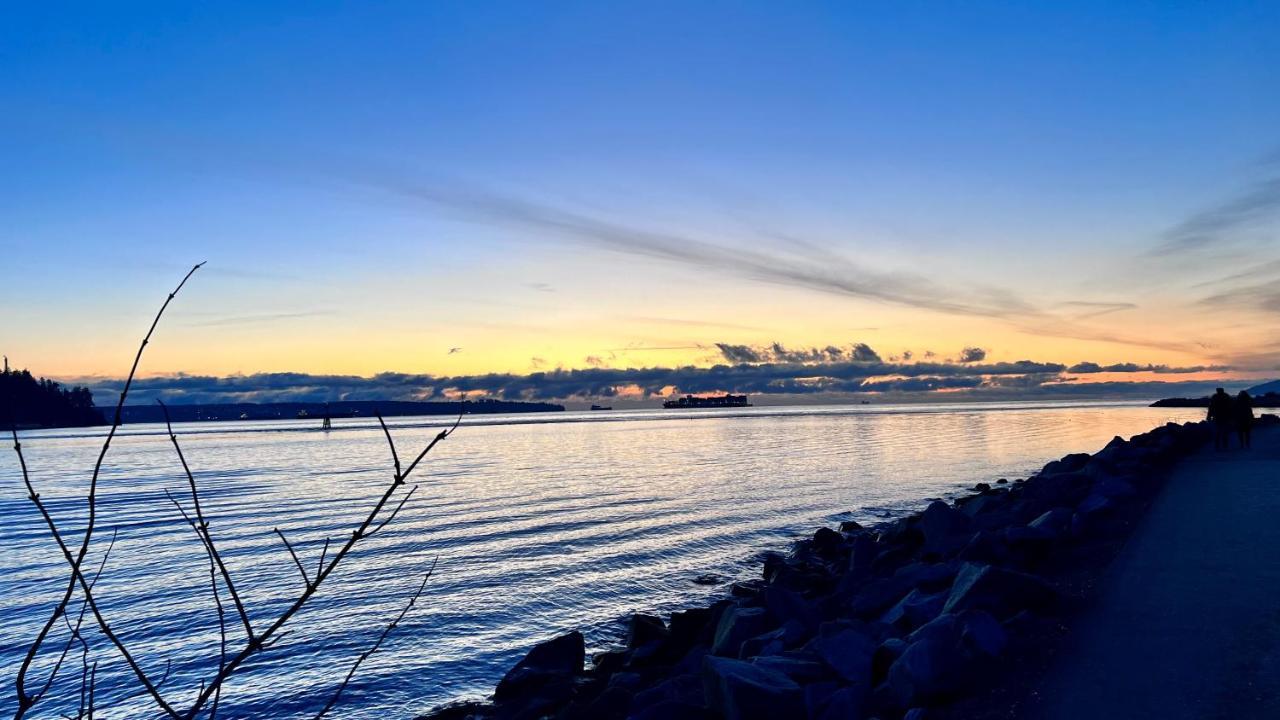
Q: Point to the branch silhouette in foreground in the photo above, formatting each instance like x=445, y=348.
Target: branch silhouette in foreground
x=255, y=639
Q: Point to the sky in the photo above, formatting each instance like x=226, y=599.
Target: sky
x=546, y=192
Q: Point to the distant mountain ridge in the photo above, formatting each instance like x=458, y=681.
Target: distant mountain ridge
x=1271, y=386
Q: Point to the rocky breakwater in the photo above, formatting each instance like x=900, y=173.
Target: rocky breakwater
x=923, y=617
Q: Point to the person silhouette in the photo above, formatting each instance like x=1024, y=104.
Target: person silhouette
x=1221, y=416
x=1244, y=418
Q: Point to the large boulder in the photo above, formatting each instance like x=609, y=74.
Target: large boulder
x=844, y=704
x=737, y=625
x=930, y=668
x=643, y=629
x=944, y=656
x=915, y=609
x=674, y=710
x=741, y=691
x=685, y=689
x=998, y=591
x=944, y=527
x=879, y=595
x=547, y=664
x=847, y=651
x=1069, y=463
x=799, y=667
x=1055, y=522
x=786, y=605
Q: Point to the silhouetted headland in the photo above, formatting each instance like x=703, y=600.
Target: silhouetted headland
x=958, y=611
x=1265, y=395
x=346, y=409
x=30, y=403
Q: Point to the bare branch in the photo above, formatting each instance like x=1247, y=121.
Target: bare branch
x=377, y=643
x=202, y=527
x=25, y=701
x=358, y=534
x=323, y=551
x=395, y=457
x=87, y=588
x=442, y=435
x=306, y=580
x=395, y=512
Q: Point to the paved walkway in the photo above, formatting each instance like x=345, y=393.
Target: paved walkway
x=1187, y=622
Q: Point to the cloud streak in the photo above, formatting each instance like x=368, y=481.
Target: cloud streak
x=1211, y=226
x=765, y=378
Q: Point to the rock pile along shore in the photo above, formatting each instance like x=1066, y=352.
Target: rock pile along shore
x=942, y=614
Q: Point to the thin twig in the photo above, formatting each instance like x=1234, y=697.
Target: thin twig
x=203, y=527
x=377, y=643
x=77, y=636
x=358, y=534
x=395, y=457
x=323, y=551
x=217, y=598
x=142, y=676
x=395, y=512
x=306, y=580
x=442, y=435
x=25, y=701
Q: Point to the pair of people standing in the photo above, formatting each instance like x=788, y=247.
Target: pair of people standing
x=1226, y=414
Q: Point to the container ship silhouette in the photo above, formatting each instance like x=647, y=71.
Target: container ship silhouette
x=722, y=401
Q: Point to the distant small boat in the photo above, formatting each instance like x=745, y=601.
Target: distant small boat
x=601, y=407
x=690, y=401
x=303, y=414
x=244, y=416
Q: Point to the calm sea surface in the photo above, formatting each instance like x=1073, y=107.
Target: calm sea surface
x=540, y=524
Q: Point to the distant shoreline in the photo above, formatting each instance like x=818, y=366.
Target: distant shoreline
x=229, y=412
x=1266, y=400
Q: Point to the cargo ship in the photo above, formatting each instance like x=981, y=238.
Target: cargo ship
x=722, y=401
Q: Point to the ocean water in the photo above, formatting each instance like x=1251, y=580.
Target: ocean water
x=537, y=525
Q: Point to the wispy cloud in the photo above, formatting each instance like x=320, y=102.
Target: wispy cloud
x=1083, y=309
x=686, y=322
x=601, y=382
x=1218, y=223
x=260, y=318
x=801, y=265
x=820, y=270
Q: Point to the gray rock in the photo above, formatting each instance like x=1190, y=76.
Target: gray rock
x=1056, y=521
x=915, y=609
x=999, y=591
x=558, y=658
x=827, y=541
x=675, y=710
x=848, y=652
x=879, y=595
x=737, y=625
x=786, y=605
x=845, y=704
x=770, y=643
x=884, y=657
x=1069, y=463
x=799, y=669
x=741, y=691
x=643, y=629
x=930, y=667
x=982, y=634
x=1113, y=487
x=929, y=577
x=685, y=688
x=944, y=528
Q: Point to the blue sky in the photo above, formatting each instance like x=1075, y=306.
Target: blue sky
x=327, y=159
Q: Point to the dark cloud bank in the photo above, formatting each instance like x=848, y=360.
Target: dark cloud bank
x=760, y=370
